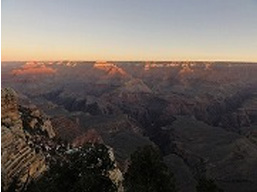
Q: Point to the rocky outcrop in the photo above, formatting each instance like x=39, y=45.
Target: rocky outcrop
x=36, y=122
x=115, y=174
x=21, y=160
x=9, y=106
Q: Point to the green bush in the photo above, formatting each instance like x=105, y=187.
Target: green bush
x=84, y=170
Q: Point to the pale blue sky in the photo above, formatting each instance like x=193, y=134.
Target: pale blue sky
x=129, y=30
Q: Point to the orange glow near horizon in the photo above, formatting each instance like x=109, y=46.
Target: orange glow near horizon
x=37, y=55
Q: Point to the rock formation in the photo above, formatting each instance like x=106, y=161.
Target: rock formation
x=115, y=175
x=21, y=161
x=111, y=69
x=31, y=68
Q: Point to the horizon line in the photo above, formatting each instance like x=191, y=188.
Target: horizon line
x=216, y=61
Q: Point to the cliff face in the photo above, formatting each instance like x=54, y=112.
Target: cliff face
x=21, y=160
x=27, y=144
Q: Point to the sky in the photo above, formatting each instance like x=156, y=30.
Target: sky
x=216, y=30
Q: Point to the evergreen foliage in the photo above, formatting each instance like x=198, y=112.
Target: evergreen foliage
x=83, y=170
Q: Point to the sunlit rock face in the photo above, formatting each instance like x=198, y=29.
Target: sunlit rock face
x=110, y=68
x=20, y=160
x=115, y=175
x=34, y=68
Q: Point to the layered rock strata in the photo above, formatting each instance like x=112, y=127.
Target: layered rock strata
x=21, y=160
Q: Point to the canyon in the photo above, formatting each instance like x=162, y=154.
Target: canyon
x=201, y=115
